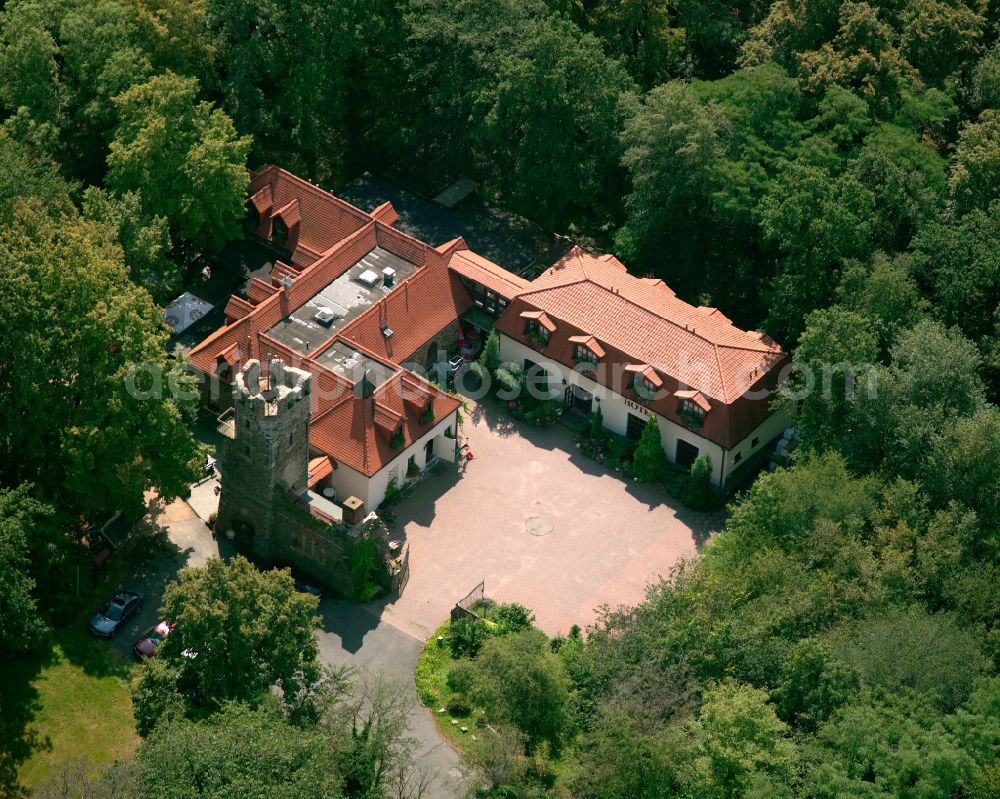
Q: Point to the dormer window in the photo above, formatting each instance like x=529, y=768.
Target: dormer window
x=279, y=231
x=537, y=328
x=583, y=355
x=692, y=407
x=644, y=387
x=645, y=381
x=536, y=334
x=688, y=407
x=427, y=414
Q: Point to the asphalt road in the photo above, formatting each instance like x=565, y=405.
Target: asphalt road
x=348, y=635
x=352, y=635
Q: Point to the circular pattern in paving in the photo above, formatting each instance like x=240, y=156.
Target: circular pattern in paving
x=539, y=525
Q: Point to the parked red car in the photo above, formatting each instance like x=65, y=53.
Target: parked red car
x=146, y=646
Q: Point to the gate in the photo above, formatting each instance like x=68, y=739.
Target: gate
x=463, y=608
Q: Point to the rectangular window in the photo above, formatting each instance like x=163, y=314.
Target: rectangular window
x=534, y=332
x=737, y=457
x=686, y=454
x=755, y=442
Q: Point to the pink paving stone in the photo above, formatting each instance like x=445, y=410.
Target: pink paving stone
x=611, y=537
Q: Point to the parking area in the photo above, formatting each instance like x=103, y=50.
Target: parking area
x=541, y=524
x=188, y=542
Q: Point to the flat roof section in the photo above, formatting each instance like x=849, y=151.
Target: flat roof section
x=343, y=359
x=339, y=302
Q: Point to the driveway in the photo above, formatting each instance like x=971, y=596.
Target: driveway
x=189, y=543
x=350, y=634
x=542, y=524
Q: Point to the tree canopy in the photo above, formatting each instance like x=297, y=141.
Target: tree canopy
x=183, y=155
x=240, y=631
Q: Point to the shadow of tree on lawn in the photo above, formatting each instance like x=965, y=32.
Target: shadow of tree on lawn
x=19, y=705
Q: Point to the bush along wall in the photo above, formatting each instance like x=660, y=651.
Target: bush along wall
x=693, y=488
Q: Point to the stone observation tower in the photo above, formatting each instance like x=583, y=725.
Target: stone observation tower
x=267, y=451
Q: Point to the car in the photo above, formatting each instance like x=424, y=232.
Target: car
x=146, y=646
x=115, y=612
x=306, y=584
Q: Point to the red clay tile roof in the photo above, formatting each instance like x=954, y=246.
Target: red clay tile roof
x=333, y=236
x=289, y=212
x=262, y=200
x=385, y=213
x=237, y=308
x=357, y=431
x=541, y=317
x=319, y=469
x=590, y=343
x=583, y=299
x=421, y=307
x=696, y=397
x=644, y=320
x=324, y=219
x=483, y=271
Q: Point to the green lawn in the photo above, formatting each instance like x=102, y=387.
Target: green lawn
x=81, y=706
x=431, y=677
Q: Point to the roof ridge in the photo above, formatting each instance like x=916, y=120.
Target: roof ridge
x=722, y=374
x=641, y=307
x=271, y=169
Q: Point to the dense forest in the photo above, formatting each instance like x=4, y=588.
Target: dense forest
x=827, y=171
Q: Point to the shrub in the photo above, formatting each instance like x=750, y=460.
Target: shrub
x=459, y=677
x=466, y=636
x=650, y=461
x=509, y=379
x=490, y=357
x=511, y=618
x=597, y=423
x=699, y=493
x=478, y=374
x=459, y=705
x=391, y=491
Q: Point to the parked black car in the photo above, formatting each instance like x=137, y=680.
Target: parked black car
x=306, y=584
x=115, y=612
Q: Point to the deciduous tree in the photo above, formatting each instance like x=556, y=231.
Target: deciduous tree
x=93, y=412
x=520, y=682
x=183, y=156
x=240, y=631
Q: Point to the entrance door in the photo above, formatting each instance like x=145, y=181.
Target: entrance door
x=429, y=451
x=686, y=453
x=581, y=399
x=636, y=424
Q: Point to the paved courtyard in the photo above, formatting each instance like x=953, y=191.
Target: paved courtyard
x=541, y=524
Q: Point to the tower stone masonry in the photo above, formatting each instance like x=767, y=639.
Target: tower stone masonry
x=268, y=453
